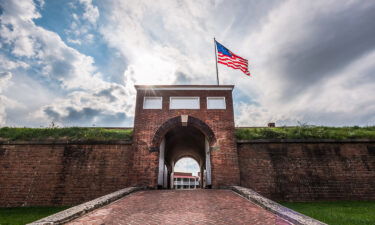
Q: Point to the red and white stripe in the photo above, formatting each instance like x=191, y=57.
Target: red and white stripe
x=235, y=62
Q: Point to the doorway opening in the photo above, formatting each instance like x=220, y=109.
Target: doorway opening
x=186, y=174
x=184, y=142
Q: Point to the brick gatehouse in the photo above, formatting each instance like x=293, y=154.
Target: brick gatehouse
x=176, y=121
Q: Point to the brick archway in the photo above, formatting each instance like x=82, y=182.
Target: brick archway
x=176, y=122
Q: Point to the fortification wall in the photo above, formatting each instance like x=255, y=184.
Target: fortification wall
x=61, y=173
x=70, y=173
x=309, y=170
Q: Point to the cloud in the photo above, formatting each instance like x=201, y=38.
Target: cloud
x=45, y=49
x=304, y=57
x=104, y=107
x=156, y=39
x=187, y=165
x=85, y=97
x=83, y=22
x=4, y=81
x=91, y=12
x=311, y=61
x=7, y=64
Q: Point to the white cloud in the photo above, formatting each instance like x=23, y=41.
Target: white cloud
x=108, y=106
x=157, y=38
x=91, y=12
x=308, y=59
x=83, y=23
x=7, y=64
x=188, y=165
x=59, y=63
x=4, y=101
x=297, y=75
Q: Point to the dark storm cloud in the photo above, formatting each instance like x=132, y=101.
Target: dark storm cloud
x=338, y=38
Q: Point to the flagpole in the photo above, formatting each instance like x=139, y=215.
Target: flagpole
x=217, y=71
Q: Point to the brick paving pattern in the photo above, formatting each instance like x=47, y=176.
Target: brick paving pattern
x=181, y=207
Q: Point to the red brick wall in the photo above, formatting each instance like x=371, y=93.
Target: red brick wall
x=309, y=171
x=68, y=174
x=61, y=174
x=223, y=158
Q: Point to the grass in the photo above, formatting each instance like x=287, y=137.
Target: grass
x=339, y=212
x=24, y=215
x=306, y=132
x=105, y=134
x=71, y=133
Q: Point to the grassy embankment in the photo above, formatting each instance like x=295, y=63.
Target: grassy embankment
x=306, y=132
x=24, y=215
x=70, y=133
x=337, y=213
x=105, y=134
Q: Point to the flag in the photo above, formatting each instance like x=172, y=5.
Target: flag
x=231, y=60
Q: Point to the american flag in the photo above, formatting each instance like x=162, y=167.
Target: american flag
x=232, y=60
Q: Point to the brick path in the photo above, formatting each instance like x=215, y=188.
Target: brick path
x=181, y=207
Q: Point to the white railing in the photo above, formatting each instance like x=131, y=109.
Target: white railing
x=186, y=183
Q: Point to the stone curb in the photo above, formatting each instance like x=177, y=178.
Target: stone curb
x=79, y=210
x=284, y=212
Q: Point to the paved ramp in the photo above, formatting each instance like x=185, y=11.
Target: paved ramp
x=181, y=207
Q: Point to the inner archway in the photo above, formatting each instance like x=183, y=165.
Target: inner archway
x=186, y=174
x=181, y=142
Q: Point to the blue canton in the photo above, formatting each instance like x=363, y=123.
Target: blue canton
x=222, y=49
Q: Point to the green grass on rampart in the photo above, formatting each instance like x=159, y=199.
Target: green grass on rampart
x=337, y=212
x=24, y=215
x=306, y=132
x=106, y=134
x=71, y=134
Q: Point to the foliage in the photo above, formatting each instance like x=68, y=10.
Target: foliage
x=24, y=215
x=338, y=212
x=71, y=133
x=306, y=132
x=106, y=134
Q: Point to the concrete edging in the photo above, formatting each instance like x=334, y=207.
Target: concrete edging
x=79, y=210
x=282, y=211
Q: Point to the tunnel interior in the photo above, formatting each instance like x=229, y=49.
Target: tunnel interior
x=181, y=142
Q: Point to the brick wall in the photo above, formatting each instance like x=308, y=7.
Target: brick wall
x=224, y=160
x=68, y=174
x=309, y=171
x=61, y=174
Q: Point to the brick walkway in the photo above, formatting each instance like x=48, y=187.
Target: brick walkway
x=181, y=207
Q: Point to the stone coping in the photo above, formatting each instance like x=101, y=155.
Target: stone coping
x=65, y=142
x=284, y=212
x=79, y=210
x=259, y=141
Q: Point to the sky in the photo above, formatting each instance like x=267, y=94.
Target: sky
x=75, y=62
x=187, y=165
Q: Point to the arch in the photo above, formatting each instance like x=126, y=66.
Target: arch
x=176, y=122
x=185, y=157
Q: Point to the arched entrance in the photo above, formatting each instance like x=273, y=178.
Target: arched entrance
x=184, y=137
x=186, y=174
